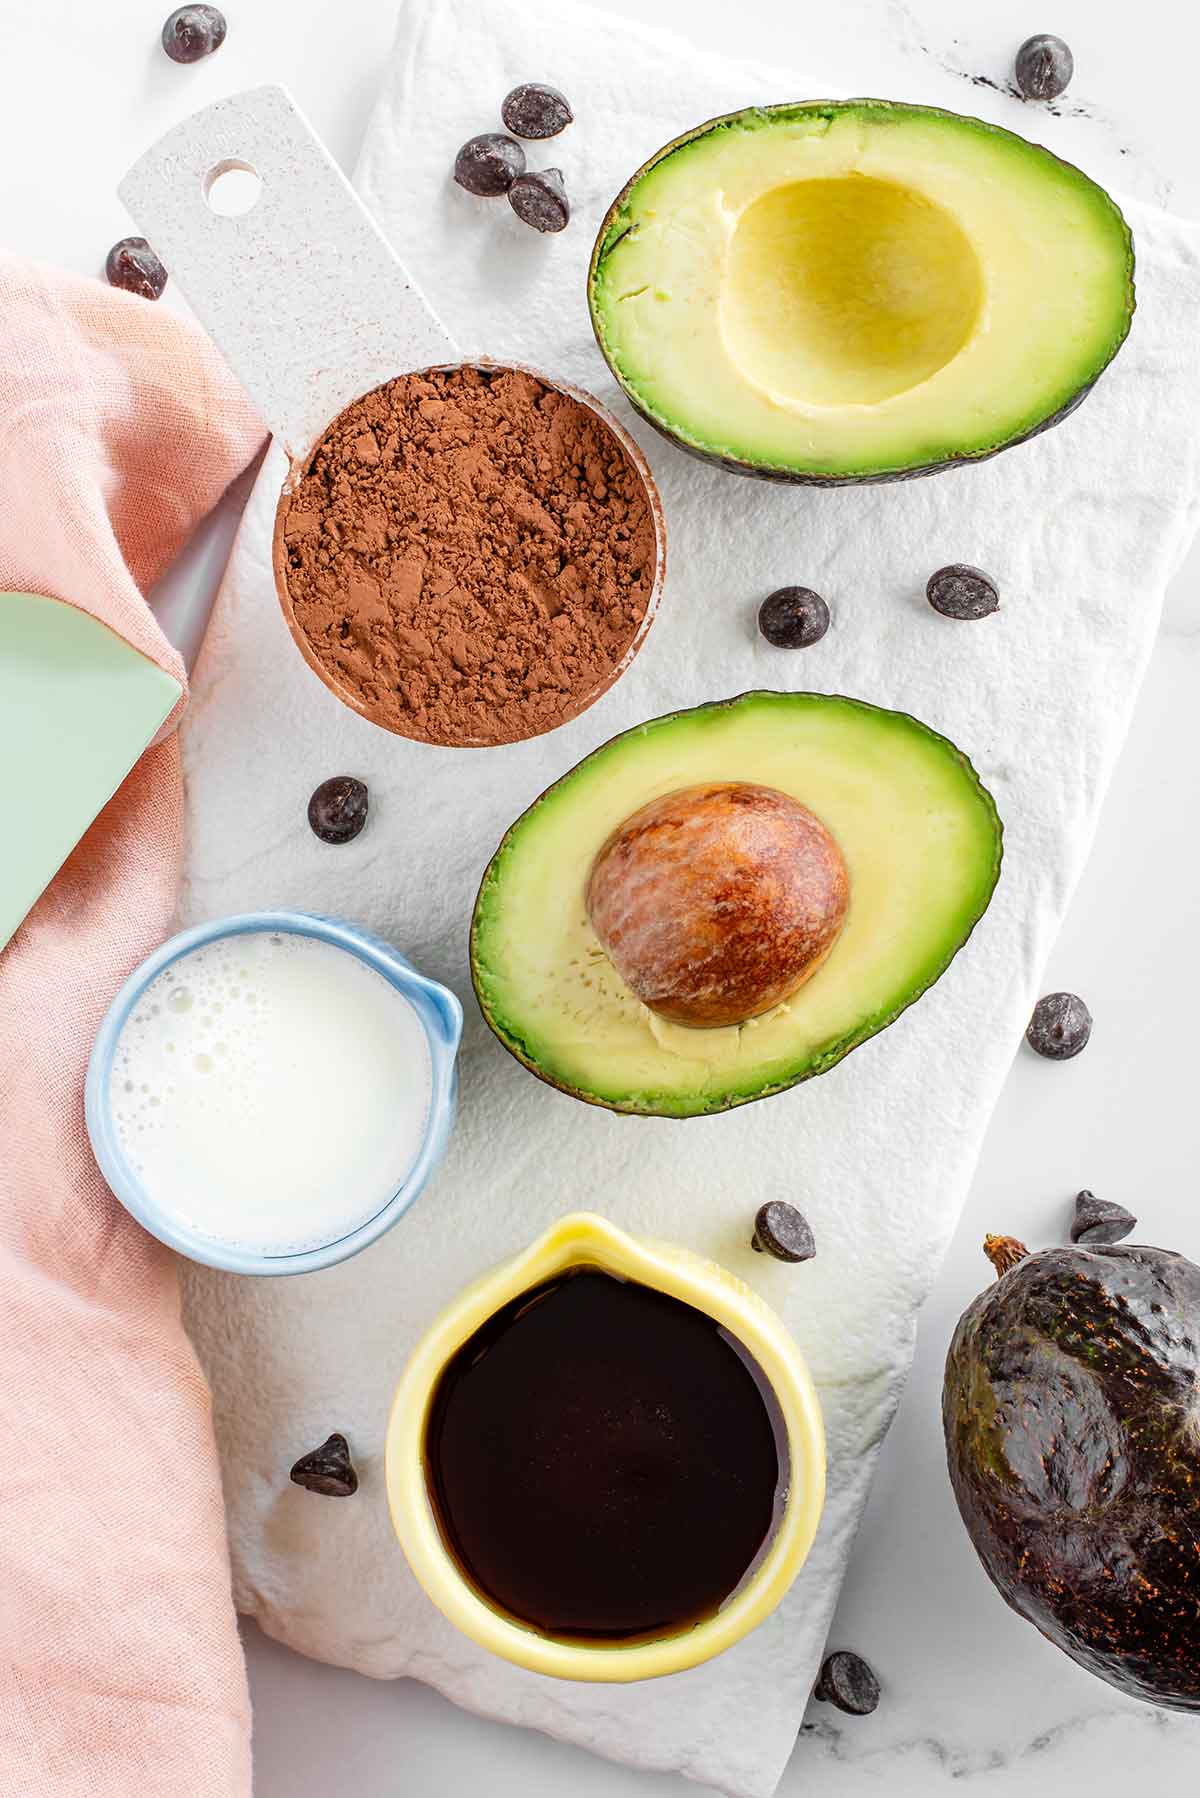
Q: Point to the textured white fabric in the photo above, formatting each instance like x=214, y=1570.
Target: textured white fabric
x=1081, y=528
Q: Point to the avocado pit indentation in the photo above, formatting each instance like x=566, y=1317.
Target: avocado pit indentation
x=847, y=291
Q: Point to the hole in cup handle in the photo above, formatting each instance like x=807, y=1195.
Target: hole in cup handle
x=232, y=188
x=285, y=258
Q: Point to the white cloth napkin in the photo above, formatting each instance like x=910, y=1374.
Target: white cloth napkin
x=1081, y=528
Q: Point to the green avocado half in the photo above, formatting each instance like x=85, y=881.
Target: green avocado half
x=920, y=838
x=858, y=290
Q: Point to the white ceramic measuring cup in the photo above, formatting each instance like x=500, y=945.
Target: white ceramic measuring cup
x=306, y=299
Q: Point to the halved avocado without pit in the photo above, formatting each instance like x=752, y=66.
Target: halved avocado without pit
x=920, y=839
x=860, y=290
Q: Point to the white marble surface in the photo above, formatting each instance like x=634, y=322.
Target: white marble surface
x=969, y=1690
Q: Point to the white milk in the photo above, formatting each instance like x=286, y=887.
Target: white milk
x=271, y=1091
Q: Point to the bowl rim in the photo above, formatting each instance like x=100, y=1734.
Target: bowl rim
x=580, y=1239
x=441, y=1017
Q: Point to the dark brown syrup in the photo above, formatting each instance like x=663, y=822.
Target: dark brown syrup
x=603, y=1460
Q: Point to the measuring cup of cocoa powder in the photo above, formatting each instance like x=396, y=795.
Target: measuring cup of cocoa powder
x=466, y=553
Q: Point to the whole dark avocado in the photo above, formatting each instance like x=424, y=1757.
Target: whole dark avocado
x=1071, y=1409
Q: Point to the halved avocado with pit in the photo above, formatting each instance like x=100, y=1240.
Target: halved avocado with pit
x=864, y=290
x=920, y=838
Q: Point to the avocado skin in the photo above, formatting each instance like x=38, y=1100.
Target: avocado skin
x=1071, y=1410
x=727, y=1103
x=798, y=478
x=786, y=478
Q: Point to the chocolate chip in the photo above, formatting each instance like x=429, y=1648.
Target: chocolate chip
x=328, y=1469
x=847, y=1682
x=960, y=591
x=1044, y=67
x=192, y=32
x=535, y=110
x=1099, y=1220
x=540, y=199
x=132, y=265
x=337, y=810
x=782, y=1231
x=793, y=618
x=488, y=164
x=1060, y=1026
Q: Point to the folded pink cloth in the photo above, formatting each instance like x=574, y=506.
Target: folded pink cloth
x=120, y=1668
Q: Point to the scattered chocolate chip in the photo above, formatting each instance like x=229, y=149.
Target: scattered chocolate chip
x=192, y=32
x=1099, y=1220
x=489, y=164
x=535, y=110
x=132, y=265
x=1044, y=67
x=793, y=617
x=328, y=1469
x=782, y=1231
x=337, y=810
x=1060, y=1026
x=540, y=199
x=847, y=1682
x=960, y=591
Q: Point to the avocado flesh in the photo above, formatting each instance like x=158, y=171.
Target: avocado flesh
x=858, y=291
x=920, y=838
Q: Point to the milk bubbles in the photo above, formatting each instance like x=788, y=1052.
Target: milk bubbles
x=271, y=1091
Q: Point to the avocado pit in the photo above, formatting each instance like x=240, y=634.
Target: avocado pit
x=717, y=902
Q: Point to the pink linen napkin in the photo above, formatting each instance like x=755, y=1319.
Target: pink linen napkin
x=120, y=1669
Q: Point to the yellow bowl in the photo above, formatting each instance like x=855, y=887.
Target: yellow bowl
x=586, y=1240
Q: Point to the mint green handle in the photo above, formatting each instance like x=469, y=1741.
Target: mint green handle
x=77, y=708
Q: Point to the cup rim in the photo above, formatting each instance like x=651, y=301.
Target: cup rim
x=583, y=1238
x=300, y=464
x=440, y=1015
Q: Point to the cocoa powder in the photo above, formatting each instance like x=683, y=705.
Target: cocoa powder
x=468, y=556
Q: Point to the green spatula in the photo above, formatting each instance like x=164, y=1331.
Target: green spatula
x=77, y=708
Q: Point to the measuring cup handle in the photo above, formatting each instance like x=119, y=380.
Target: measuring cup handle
x=302, y=293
